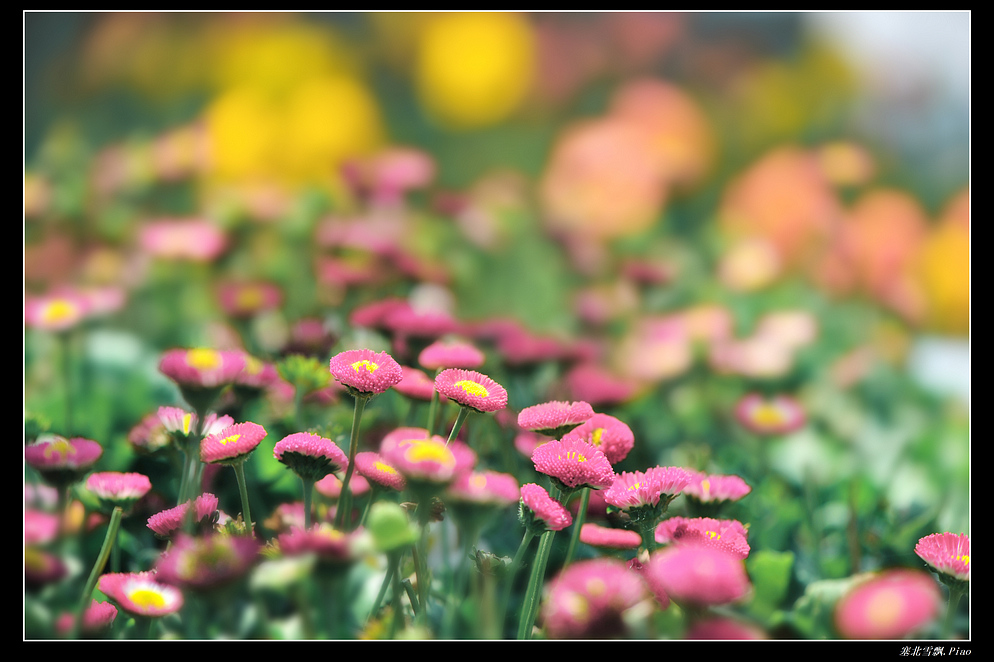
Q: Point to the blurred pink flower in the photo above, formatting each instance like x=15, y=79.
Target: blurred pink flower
x=697, y=575
x=195, y=240
x=141, y=594
x=722, y=628
x=167, y=522
x=708, y=488
x=242, y=300
x=889, y=605
x=114, y=488
x=202, y=368
x=450, y=354
x=370, y=465
x=780, y=414
x=605, y=537
x=57, y=311
x=587, y=600
x=204, y=563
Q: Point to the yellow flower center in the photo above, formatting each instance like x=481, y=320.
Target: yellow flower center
x=965, y=558
x=634, y=486
x=596, y=586
x=429, y=451
x=595, y=438
x=368, y=365
x=768, y=414
x=229, y=440
x=253, y=366
x=59, y=310
x=187, y=419
x=884, y=608
x=60, y=448
x=574, y=455
x=706, y=487
x=147, y=598
x=385, y=468
x=478, y=481
x=712, y=535
x=249, y=298
x=203, y=359
x=472, y=388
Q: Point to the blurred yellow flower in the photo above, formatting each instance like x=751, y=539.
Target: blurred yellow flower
x=475, y=69
x=243, y=129
x=945, y=269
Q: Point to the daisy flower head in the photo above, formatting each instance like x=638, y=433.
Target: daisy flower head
x=574, y=463
x=364, y=372
x=599, y=386
x=588, y=599
x=40, y=527
x=554, y=418
x=450, y=354
x=710, y=488
x=140, y=594
x=167, y=522
x=484, y=488
x=114, y=488
x=609, y=434
x=310, y=456
x=231, y=445
x=422, y=460
x=97, y=620
x=471, y=389
x=205, y=562
x=243, y=300
x=56, y=312
x=202, y=368
x=698, y=575
x=60, y=461
x=331, y=486
x=369, y=465
x=149, y=434
x=778, y=415
x=415, y=384
x=605, y=537
x=41, y=568
x=538, y=507
x=727, y=535
x=330, y=545
x=890, y=605
x=654, y=488
x=948, y=554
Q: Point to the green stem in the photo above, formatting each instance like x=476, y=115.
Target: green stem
x=432, y=413
x=529, y=608
x=393, y=563
x=509, y=579
x=308, y=492
x=67, y=380
x=345, y=500
x=947, y=628
x=243, y=492
x=581, y=514
x=463, y=413
x=421, y=561
x=98, y=567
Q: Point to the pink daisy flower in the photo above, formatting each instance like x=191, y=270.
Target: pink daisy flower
x=400, y=436
x=198, y=241
x=588, y=599
x=97, y=619
x=536, y=501
x=205, y=562
x=310, y=456
x=331, y=485
x=780, y=414
x=328, y=543
x=471, y=389
x=202, y=368
x=415, y=384
x=890, y=605
x=370, y=465
x=114, y=488
x=574, y=463
x=373, y=315
x=422, y=460
x=364, y=372
x=149, y=435
x=605, y=537
x=650, y=488
x=257, y=375
x=554, y=418
x=598, y=386
x=450, y=354
x=180, y=421
x=727, y=535
x=233, y=444
x=41, y=568
x=140, y=594
x=946, y=553
x=484, y=488
x=62, y=461
x=40, y=527
x=165, y=523
x=56, y=312
x=409, y=321
x=243, y=300
x=709, y=488
x=609, y=434
x=698, y=575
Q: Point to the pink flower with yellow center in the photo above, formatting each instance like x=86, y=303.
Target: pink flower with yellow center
x=554, y=418
x=698, y=575
x=609, y=434
x=140, y=594
x=636, y=489
x=484, y=487
x=202, y=367
x=543, y=507
x=946, y=553
x=60, y=461
x=248, y=299
x=422, y=460
x=56, y=312
x=780, y=414
x=450, y=354
x=605, y=537
x=371, y=466
x=727, y=535
x=233, y=444
x=890, y=605
x=708, y=488
x=206, y=562
x=176, y=420
x=328, y=543
x=365, y=372
x=588, y=599
x=471, y=389
x=574, y=463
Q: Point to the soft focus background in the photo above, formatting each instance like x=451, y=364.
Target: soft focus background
x=647, y=189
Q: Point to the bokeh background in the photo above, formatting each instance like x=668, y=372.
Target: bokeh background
x=637, y=187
